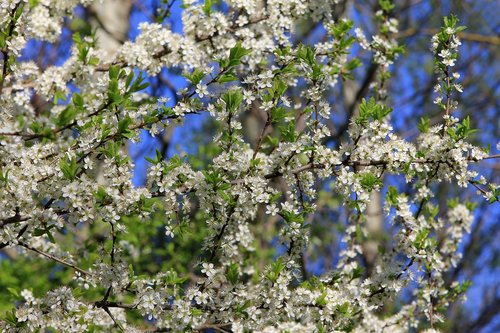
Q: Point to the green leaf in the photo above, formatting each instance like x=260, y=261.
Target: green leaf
x=386, y=5
x=288, y=132
x=123, y=128
x=102, y=198
x=343, y=309
x=50, y=237
x=2, y=42
x=69, y=168
x=172, y=278
x=321, y=300
x=158, y=158
x=464, y=129
x=275, y=270
x=340, y=29
x=114, y=71
x=306, y=53
x=236, y=53
x=291, y=217
x=275, y=197
x=353, y=64
x=495, y=193
x=461, y=288
x=279, y=88
x=66, y=116
x=371, y=110
x=213, y=177
x=138, y=84
x=357, y=272
x=453, y=203
x=113, y=91
x=359, y=234
x=226, y=197
x=207, y=7
x=431, y=210
x=195, y=77
x=392, y=195
x=174, y=162
x=59, y=96
x=278, y=114
x=240, y=309
x=130, y=77
x=14, y=292
x=10, y=316
x=226, y=77
x=255, y=163
x=271, y=141
x=78, y=100
x=232, y=273
x=4, y=177
x=424, y=124
x=233, y=100
x=369, y=181
x=93, y=61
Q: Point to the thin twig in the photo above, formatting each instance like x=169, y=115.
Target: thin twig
x=53, y=258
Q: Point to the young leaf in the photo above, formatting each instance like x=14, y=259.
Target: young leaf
x=236, y=53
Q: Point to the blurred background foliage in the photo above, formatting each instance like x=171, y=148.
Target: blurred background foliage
x=410, y=92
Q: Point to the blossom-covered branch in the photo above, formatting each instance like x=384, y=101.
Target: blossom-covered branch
x=65, y=173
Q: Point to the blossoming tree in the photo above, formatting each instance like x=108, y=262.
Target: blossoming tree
x=71, y=213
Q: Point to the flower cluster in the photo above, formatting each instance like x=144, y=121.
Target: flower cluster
x=65, y=173
x=445, y=45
